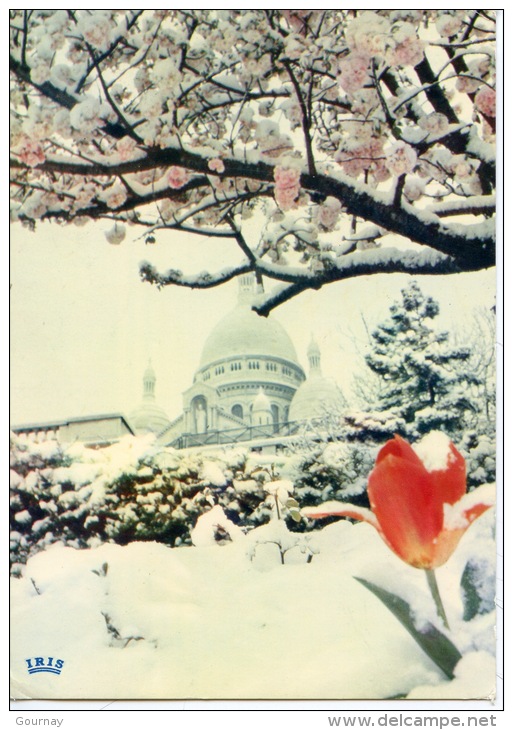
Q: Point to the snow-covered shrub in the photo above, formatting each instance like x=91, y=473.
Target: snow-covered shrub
x=136, y=490
x=479, y=453
x=336, y=470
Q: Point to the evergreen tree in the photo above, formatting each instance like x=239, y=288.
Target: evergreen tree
x=426, y=379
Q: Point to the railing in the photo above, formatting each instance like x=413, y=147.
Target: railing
x=234, y=435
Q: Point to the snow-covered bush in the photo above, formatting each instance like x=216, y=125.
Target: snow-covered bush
x=336, y=470
x=480, y=456
x=136, y=490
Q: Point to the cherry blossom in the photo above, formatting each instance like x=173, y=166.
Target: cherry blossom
x=216, y=165
x=353, y=71
x=126, y=148
x=177, y=177
x=434, y=123
x=485, y=101
x=367, y=33
x=328, y=213
x=401, y=158
x=173, y=118
x=31, y=153
x=407, y=52
x=449, y=23
x=286, y=188
x=95, y=28
x=114, y=197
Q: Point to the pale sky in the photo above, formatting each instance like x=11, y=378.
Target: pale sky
x=83, y=325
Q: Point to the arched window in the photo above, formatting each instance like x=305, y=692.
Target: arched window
x=276, y=416
x=237, y=410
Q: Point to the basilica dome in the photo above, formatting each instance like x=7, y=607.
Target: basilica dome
x=318, y=395
x=241, y=333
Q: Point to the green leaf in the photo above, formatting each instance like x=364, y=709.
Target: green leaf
x=469, y=594
x=435, y=644
x=291, y=503
x=476, y=599
x=296, y=516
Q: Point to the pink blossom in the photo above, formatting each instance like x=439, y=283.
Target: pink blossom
x=296, y=18
x=364, y=157
x=115, y=197
x=448, y=24
x=414, y=188
x=467, y=85
x=353, y=71
x=367, y=33
x=434, y=123
x=126, y=147
x=96, y=29
x=401, y=158
x=286, y=189
x=32, y=153
x=409, y=52
x=177, y=177
x=328, y=213
x=485, y=101
x=216, y=165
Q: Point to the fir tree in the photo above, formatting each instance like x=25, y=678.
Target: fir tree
x=427, y=380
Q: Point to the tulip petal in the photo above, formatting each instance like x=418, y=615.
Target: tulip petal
x=450, y=484
x=458, y=518
x=407, y=509
x=400, y=448
x=469, y=507
x=340, y=509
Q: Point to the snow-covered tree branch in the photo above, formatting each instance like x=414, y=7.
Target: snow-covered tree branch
x=311, y=124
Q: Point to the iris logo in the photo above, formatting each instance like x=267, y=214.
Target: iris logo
x=44, y=664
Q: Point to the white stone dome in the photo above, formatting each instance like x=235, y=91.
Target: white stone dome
x=314, y=398
x=244, y=333
x=317, y=395
x=149, y=417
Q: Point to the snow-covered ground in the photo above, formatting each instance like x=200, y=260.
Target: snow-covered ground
x=232, y=621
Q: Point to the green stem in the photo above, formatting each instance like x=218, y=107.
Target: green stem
x=433, y=587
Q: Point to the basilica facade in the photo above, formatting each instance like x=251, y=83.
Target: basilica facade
x=249, y=384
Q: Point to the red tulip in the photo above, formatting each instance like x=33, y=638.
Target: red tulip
x=418, y=500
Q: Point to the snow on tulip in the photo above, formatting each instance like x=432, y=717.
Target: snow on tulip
x=418, y=500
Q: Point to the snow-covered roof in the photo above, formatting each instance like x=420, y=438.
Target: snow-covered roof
x=66, y=421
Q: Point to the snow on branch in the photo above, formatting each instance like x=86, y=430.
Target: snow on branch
x=202, y=120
